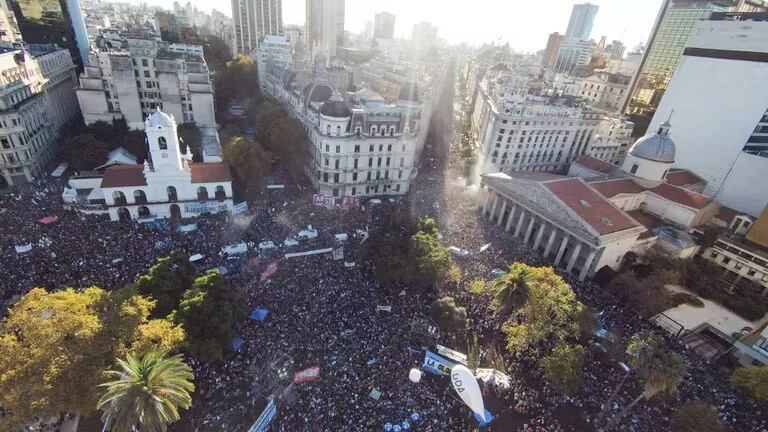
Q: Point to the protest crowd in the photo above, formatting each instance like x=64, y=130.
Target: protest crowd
x=322, y=312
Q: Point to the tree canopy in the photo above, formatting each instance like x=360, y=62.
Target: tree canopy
x=209, y=312
x=510, y=289
x=450, y=317
x=288, y=141
x=562, y=367
x=753, y=381
x=216, y=52
x=695, y=416
x=550, y=311
x=166, y=282
x=249, y=159
x=54, y=348
x=84, y=152
x=238, y=81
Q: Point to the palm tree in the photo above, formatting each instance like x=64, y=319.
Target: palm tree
x=510, y=289
x=145, y=394
x=661, y=369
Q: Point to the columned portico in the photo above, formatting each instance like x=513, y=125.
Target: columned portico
x=501, y=213
x=587, y=265
x=574, y=257
x=520, y=222
x=530, y=229
x=493, y=207
x=539, y=235
x=487, y=201
x=510, y=218
x=550, y=242
x=561, y=251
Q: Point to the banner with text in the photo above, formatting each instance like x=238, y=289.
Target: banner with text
x=205, y=207
x=240, y=208
x=269, y=271
x=437, y=364
x=306, y=375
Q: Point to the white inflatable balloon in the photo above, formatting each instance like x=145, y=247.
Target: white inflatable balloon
x=414, y=375
x=466, y=386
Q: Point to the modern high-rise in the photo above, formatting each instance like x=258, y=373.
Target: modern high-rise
x=324, y=26
x=572, y=54
x=718, y=103
x=253, y=19
x=384, y=26
x=580, y=24
x=424, y=36
x=670, y=33
x=550, y=52
x=57, y=22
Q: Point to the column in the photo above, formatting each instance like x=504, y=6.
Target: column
x=561, y=251
x=487, y=201
x=550, y=242
x=501, y=213
x=510, y=218
x=574, y=257
x=539, y=235
x=493, y=207
x=520, y=222
x=530, y=229
x=587, y=264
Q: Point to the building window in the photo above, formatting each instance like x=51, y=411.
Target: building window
x=355, y=164
x=336, y=164
x=162, y=143
x=338, y=149
x=338, y=130
x=357, y=149
x=634, y=169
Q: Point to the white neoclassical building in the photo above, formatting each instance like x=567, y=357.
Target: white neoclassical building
x=593, y=217
x=169, y=184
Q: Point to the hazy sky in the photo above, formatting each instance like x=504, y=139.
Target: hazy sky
x=525, y=24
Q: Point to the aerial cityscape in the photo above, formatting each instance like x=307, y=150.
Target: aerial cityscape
x=331, y=215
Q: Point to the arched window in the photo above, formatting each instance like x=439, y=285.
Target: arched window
x=383, y=130
x=162, y=143
x=221, y=194
x=338, y=130
x=172, y=195
x=175, y=212
x=634, y=168
x=391, y=131
x=139, y=197
x=202, y=193
x=123, y=214
x=143, y=211
x=119, y=198
x=357, y=131
x=373, y=130
x=328, y=129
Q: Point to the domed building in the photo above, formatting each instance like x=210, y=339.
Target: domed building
x=652, y=156
x=168, y=184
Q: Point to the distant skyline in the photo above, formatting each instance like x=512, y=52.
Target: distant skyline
x=525, y=25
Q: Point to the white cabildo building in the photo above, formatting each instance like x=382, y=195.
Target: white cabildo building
x=591, y=218
x=170, y=184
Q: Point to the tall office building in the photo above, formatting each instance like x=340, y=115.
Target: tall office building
x=384, y=26
x=324, y=26
x=670, y=33
x=718, y=103
x=57, y=22
x=751, y=6
x=253, y=19
x=550, y=52
x=580, y=24
x=424, y=36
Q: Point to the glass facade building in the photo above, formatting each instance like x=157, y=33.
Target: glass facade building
x=665, y=48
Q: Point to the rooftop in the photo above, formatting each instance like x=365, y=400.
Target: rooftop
x=683, y=177
x=124, y=175
x=210, y=172
x=595, y=164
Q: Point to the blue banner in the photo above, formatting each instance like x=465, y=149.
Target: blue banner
x=437, y=364
x=240, y=208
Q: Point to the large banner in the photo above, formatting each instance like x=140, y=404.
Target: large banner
x=205, y=207
x=306, y=375
x=437, y=364
x=187, y=228
x=23, y=248
x=266, y=417
x=338, y=253
x=349, y=202
x=323, y=200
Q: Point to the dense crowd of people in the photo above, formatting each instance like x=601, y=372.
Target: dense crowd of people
x=322, y=312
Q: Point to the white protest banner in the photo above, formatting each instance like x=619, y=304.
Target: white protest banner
x=466, y=386
x=451, y=354
x=383, y=308
x=23, y=248
x=338, y=253
x=269, y=271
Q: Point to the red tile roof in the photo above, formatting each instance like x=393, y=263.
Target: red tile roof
x=727, y=214
x=537, y=176
x=210, y=172
x=649, y=221
x=682, y=196
x=683, y=177
x=593, y=208
x=124, y=175
x=595, y=164
x=611, y=188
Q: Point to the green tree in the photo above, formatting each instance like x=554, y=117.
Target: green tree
x=84, y=152
x=661, y=369
x=550, y=312
x=190, y=137
x=249, y=160
x=450, y=317
x=753, y=381
x=54, y=348
x=166, y=282
x=288, y=141
x=263, y=115
x=145, y=393
x=562, y=367
x=695, y=416
x=216, y=52
x=510, y=289
x=209, y=312
x=429, y=259
x=238, y=81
